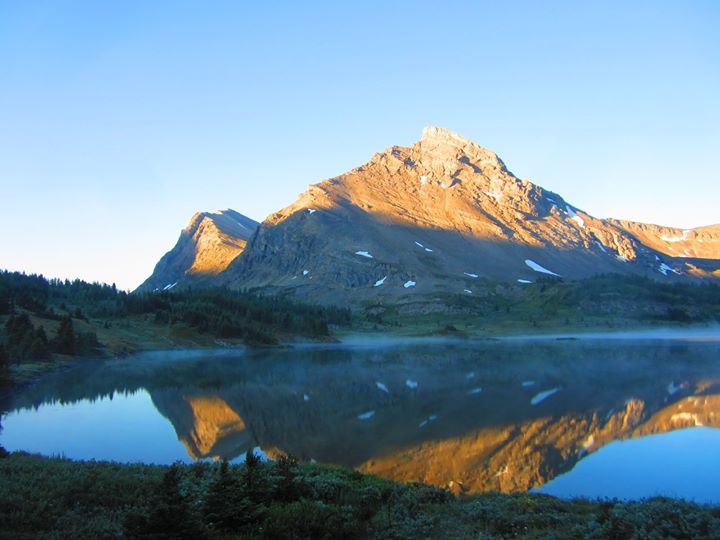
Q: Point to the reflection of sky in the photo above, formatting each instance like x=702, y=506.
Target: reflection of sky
x=126, y=428
x=681, y=463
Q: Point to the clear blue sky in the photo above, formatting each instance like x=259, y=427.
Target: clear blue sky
x=120, y=119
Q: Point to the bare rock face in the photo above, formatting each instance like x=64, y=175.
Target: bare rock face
x=435, y=217
x=699, y=248
x=210, y=242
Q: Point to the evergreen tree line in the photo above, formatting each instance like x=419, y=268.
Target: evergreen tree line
x=238, y=314
x=217, y=311
x=24, y=341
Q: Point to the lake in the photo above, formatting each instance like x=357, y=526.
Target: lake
x=625, y=418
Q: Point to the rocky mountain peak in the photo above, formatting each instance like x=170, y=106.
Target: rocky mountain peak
x=226, y=221
x=439, y=135
x=440, y=144
x=207, y=245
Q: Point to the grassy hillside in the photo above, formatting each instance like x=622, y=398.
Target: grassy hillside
x=54, y=498
x=43, y=320
x=602, y=302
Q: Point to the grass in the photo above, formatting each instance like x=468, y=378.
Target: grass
x=600, y=303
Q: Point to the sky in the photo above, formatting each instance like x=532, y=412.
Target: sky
x=120, y=119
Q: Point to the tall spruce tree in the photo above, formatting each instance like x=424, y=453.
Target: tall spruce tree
x=64, y=341
x=171, y=516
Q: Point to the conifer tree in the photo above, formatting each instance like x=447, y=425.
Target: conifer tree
x=39, y=347
x=64, y=341
x=171, y=516
x=286, y=489
x=4, y=361
x=225, y=506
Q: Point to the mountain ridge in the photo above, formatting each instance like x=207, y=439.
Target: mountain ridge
x=206, y=246
x=434, y=217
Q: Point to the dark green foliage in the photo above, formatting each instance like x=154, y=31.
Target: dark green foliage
x=216, y=311
x=238, y=314
x=4, y=360
x=53, y=498
x=6, y=307
x=612, y=300
x=645, y=297
x=311, y=520
x=678, y=314
x=254, y=478
x=40, y=346
x=23, y=340
x=286, y=468
x=226, y=507
x=171, y=515
x=64, y=340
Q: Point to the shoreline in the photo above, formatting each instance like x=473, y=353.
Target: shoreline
x=389, y=338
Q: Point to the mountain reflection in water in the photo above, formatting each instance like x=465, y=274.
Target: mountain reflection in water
x=474, y=416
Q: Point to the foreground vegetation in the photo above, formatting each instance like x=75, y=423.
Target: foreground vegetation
x=54, y=498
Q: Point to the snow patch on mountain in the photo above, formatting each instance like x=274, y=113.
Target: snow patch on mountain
x=538, y=268
x=577, y=219
x=684, y=236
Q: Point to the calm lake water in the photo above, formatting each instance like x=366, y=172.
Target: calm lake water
x=598, y=418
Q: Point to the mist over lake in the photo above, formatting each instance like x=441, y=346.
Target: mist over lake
x=472, y=416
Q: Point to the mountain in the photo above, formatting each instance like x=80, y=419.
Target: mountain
x=698, y=248
x=209, y=243
x=438, y=216
x=443, y=216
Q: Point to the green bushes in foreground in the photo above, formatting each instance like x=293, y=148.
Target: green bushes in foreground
x=55, y=498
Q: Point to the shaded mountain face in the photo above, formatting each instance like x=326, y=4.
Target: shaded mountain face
x=209, y=243
x=435, y=217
